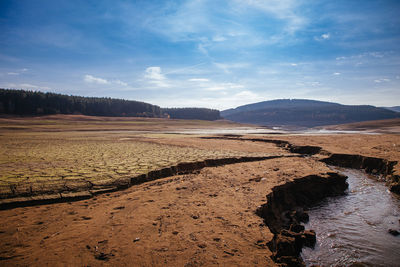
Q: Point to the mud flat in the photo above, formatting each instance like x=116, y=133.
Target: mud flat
x=206, y=218
x=201, y=213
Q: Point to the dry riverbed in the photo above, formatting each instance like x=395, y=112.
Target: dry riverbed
x=206, y=217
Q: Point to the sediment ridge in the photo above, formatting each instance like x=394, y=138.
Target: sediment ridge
x=371, y=165
x=87, y=190
x=284, y=212
x=305, y=150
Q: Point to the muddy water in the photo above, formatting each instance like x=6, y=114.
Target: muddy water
x=354, y=228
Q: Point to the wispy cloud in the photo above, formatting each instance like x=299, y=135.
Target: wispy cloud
x=282, y=9
x=119, y=82
x=223, y=87
x=26, y=86
x=383, y=80
x=91, y=79
x=198, y=80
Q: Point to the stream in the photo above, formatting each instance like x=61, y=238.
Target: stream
x=353, y=229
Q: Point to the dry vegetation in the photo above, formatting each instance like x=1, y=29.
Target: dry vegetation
x=57, y=156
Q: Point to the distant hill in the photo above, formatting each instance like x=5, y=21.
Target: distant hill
x=31, y=103
x=306, y=113
x=396, y=108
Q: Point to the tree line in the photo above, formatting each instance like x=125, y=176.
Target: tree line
x=24, y=102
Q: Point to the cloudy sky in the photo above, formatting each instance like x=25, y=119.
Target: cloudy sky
x=217, y=54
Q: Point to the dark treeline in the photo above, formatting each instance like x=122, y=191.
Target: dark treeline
x=192, y=113
x=23, y=102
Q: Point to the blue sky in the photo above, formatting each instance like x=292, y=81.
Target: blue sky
x=217, y=54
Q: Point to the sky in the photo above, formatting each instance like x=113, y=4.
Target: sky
x=200, y=53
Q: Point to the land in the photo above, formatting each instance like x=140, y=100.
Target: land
x=203, y=214
x=305, y=113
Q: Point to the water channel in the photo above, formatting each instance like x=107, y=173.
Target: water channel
x=353, y=229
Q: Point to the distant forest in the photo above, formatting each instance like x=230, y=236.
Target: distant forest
x=28, y=103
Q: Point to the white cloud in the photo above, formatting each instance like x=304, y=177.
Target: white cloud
x=28, y=85
x=202, y=49
x=215, y=88
x=154, y=76
x=382, y=80
x=324, y=36
x=18, y=72
x=119, y=82
x=91, y=79
x=224, y=86
x=219, y=38
x=247, y=95
x=226, y=67
x=336, y=73
x=198, y=80
x=154, y=73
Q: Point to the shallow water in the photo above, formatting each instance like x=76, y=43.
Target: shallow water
x=354, y=228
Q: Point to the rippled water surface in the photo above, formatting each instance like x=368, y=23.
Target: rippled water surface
x=354, y=228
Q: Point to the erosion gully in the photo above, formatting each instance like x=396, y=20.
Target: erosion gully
x=348, y=218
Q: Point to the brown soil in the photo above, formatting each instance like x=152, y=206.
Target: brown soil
x=205, y=218
x=189, y=220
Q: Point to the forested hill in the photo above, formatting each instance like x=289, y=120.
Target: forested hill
x=21, y=102
x=192, y=113
x=303, y=112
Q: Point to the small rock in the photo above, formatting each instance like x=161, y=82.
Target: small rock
x=195, y=217
x=119, y=208
x=202, y=245
x=229, y=253
x=102, y=256
x=302, y=216
x=393, y=232
x=297, y=228
x=87, y=246
x=217, y=239
x=310, y=238
x=175, y=232
x=86, y=218
x=136, y=239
